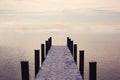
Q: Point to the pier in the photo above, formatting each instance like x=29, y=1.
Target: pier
x=58, y=63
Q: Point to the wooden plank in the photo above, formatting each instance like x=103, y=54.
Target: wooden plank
x=59, y=65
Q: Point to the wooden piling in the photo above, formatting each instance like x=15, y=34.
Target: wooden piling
x=71, y=47
x=81, y=64
x=25, y=70
x=92, y=70
x=50, y=41
x=42, y=53
x=75, y=53
x=46, y=43
x=67, y=41
x=37, y=61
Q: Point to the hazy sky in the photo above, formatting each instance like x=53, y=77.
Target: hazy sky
x=93, y=24
x=60, y=15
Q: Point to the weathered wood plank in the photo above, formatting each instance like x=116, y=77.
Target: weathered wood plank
x=59, y=65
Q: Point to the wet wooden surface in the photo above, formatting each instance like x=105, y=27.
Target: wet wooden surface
x=59, y=65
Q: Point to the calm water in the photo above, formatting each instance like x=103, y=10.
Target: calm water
x=103, y=48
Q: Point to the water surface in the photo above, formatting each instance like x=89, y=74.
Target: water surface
x=103, y=48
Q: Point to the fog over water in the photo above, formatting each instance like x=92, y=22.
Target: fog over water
x=93, y=25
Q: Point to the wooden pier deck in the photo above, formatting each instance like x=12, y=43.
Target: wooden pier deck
x=59, y=65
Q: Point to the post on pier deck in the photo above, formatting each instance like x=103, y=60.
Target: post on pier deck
x=81, y=65
x=92, y=70
x=75, y=53
x=42, y=53
x=25, y=70
x=37, y=61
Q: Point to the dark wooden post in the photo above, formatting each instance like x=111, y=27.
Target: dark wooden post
x=25, y=70
x=92, y=70
x=50, y=41
x=81, y=67
x=37, y=62
x=75, y=53
x=42, y=53
x=67, y=41
x=71, y=47
x=46, y=47
x=48, y=44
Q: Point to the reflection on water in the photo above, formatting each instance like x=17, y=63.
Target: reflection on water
x=103, y=48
